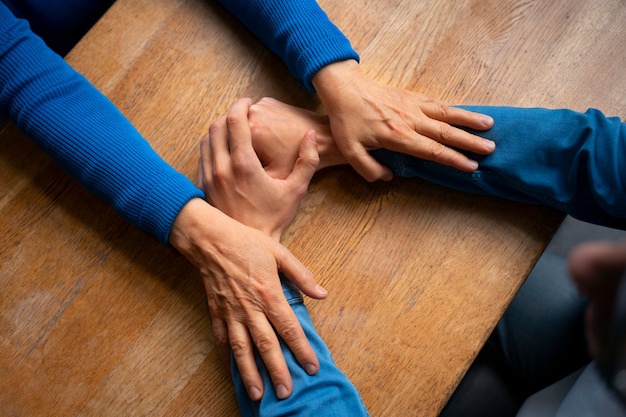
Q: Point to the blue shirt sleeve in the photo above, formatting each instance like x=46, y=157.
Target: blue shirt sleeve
x=561, y=158
x=299, y=32
x=85, y=133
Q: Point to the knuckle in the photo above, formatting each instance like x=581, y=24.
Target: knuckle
x=217, y=125
x=444, y=110
x=214, y=130
x=266, y=293
x=290, y=332
x=254, y=110
x=220, y=174
x=446, y=132
x=239, y=163
x=232, y=120
x=246, y=301
x=221, y=339
x=264, y=344
x=254, y=119
x=299, y=191
x=437, y=151
x=238, y=347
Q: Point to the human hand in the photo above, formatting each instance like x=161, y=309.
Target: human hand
x=265, y=198
x=597, y=269
x=240, y=264
x=366, y=115
x=277, y=129
x=239, y=267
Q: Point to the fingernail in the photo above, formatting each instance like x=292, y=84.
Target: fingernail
x=489, y=144
x=254, y=393
x=487, y=121
x=282, y=392
x=321, y=290
x=472, y=165
x=310, y=369
x=387, y=177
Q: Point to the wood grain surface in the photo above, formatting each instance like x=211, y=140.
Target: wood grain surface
x=98, y=319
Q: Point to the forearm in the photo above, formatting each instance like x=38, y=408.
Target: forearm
x=564, y=159
x=84, y=132
x=299, y=32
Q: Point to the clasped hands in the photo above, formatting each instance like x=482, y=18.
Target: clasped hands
x=255, y=166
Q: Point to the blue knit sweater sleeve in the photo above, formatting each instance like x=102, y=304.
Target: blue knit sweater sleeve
x=85, y=133
x=298, y=31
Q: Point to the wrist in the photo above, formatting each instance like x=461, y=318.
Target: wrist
x=330, y=82
x=199, y=223
x=187, y=221
x=334, y=77
x=200, y=228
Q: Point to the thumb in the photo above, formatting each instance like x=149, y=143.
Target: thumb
x=204, y=152
x=199, y=176
x=307, y=162
x=370, y=169
x=365, y=164
x=297, y=273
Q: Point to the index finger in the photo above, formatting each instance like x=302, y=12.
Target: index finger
x=363, y=163
x=457, y=116
x=239, y=134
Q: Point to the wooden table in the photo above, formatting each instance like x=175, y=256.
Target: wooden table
x=96, y=318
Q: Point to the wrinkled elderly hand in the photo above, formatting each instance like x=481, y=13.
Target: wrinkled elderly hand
x=366, y=115
x=241, y=268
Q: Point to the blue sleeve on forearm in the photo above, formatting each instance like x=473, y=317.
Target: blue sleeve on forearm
x=84, y=132
x=327, y=393
x=568, y=160
x=61, y=23
x=299, y=32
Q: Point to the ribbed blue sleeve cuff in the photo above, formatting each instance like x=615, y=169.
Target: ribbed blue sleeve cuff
x=321, y=54
x=163, y=204
x=299, y=32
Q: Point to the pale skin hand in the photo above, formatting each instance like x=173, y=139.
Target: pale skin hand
x=277, y=129
x=366, y=115
x=244, y=292
x=237, y=183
